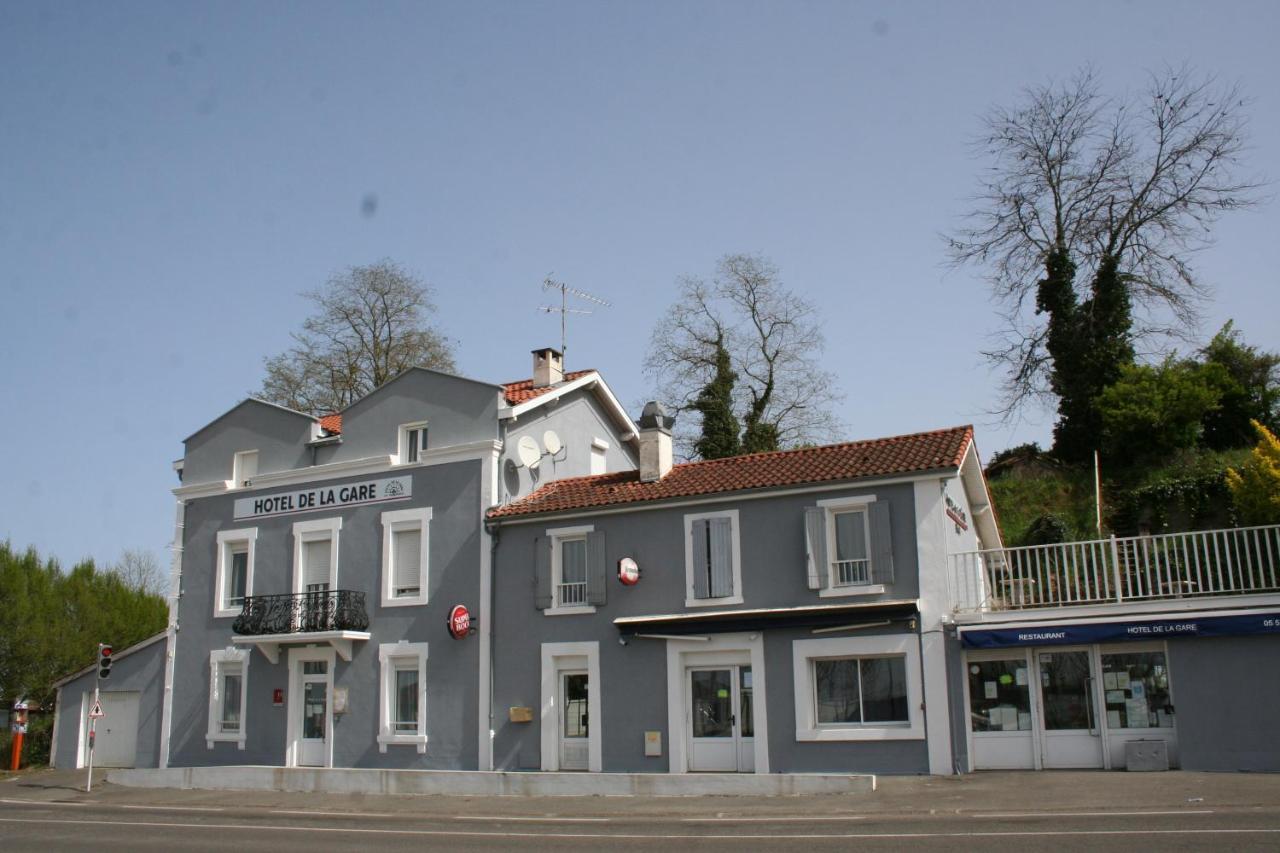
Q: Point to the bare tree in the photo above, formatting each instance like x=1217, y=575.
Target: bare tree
x=372, y=323
x=1089, y=180
x=782, y=397
x=140, y=570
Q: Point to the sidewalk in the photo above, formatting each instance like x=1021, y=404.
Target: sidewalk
x=978, y=793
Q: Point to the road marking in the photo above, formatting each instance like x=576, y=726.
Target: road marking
x=176, y=808
x=535, y=819
x=1092, y=814
x=311, y=813
x=641, y=837
x=825, y=818
x=49, y=802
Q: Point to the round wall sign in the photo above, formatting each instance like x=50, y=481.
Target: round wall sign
x=628, y=572
x=459, y=621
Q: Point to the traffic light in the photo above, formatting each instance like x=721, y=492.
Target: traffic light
x=104, y=660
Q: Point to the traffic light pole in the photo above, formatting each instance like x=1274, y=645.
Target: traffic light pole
x=93, y=725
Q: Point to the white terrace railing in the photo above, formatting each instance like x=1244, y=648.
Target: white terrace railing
x=1235, y=561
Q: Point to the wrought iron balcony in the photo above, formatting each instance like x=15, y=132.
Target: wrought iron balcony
x=302, y=613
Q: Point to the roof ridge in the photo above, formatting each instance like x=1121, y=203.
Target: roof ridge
x=817, y=447
x=582, y=372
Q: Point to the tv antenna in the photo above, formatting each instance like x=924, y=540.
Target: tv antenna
x=563, y=309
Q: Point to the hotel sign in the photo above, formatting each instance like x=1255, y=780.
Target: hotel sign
x=325, y=497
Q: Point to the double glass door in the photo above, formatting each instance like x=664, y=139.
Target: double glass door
x=721, y=723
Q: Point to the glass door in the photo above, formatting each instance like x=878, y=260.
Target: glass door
x=575, y=723
x=721, y=722
x=314, y=726
x=1072, y=733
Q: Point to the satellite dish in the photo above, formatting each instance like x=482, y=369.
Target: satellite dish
x=527, y=450
x=551, y=441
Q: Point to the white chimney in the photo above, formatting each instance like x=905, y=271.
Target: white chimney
x=548, y=367
x=655, y=443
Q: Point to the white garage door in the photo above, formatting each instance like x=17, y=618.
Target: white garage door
x=117, y=732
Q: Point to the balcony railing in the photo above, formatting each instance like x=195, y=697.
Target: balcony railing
x=1236, y=561
x=852, y=572
x=302, y=612
x=572, y=594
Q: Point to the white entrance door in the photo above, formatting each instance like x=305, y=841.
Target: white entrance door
x=116, y=735
x=313, y=727
x=1072, y=733
x=721, y=723
x=575, y=721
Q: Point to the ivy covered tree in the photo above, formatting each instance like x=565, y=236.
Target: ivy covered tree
x=719, y=425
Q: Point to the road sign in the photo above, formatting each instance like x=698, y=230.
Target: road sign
x=96, y=712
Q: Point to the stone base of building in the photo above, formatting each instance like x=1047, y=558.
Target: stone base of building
x=462, y=783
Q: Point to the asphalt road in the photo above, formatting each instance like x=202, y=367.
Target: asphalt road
x=100, y=826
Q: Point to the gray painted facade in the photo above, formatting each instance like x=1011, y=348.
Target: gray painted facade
x=139, y=671
x=634, y=677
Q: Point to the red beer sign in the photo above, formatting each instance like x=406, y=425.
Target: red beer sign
x=459, y=621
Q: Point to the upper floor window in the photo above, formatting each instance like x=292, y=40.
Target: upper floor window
x=405, y=543
x=413, y=442
x=713, y=560
x=571, y=570
x=244, y=467
x=234, y=573
x=599, y=459
x=315, y=555
x=849, y=545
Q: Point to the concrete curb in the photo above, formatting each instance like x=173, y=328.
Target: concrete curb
x=459, y=783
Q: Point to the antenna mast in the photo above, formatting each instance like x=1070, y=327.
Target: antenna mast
x=563, y=310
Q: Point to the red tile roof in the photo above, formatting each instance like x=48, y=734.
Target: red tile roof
x=523, y=391
x=331, y=423
x=881, y=457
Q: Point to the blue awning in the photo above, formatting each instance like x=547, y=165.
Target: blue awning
x=1054, y=634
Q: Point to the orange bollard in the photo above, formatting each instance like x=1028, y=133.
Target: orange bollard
x=15, y=751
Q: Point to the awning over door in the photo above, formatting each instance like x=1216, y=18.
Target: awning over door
x=725, y=621
x=1059, y=634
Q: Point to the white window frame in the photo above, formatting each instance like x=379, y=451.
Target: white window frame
x=398, y=521
x=736, y=550
x=558, y=536
x=218, y=661
x=833, y=507
x=389, y=654
x=402, y=443
x=311, y=531
x=237, y=469
x=227, y=541
x=805, y=652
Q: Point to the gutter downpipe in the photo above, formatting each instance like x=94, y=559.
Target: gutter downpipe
x=171, y=641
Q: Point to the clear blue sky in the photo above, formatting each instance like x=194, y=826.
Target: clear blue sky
x=173, y=175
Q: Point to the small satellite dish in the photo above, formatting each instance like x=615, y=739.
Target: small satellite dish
x=527, y=450
x=551, y=441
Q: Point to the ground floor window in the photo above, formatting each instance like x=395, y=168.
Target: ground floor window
x=228, y=674
x=858, y=688
x=1136, y=690
x=402, y=702
x=1000, y=695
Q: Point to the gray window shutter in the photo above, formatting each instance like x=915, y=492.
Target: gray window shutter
x=881, y=544
x=721, y=557
x=815, y=535
x=701, y=588
x=541, y=573
x=597, y=569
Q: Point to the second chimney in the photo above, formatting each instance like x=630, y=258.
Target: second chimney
x=655, y=443
x=548, y=367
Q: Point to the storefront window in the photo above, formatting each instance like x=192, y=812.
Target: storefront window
x=999, y=696
x=1136, y=690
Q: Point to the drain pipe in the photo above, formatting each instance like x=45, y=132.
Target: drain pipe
x=493, y=610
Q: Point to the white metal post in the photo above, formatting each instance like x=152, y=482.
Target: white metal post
x=93, y=725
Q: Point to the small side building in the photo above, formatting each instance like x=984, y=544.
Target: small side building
x=129, y=733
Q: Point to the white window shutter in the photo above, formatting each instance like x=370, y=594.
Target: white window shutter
x=316, y=563
x=407, y=556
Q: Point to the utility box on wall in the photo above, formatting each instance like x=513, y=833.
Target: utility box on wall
x=1146, y=755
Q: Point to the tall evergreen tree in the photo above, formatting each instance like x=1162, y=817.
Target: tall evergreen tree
x=715, y=403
